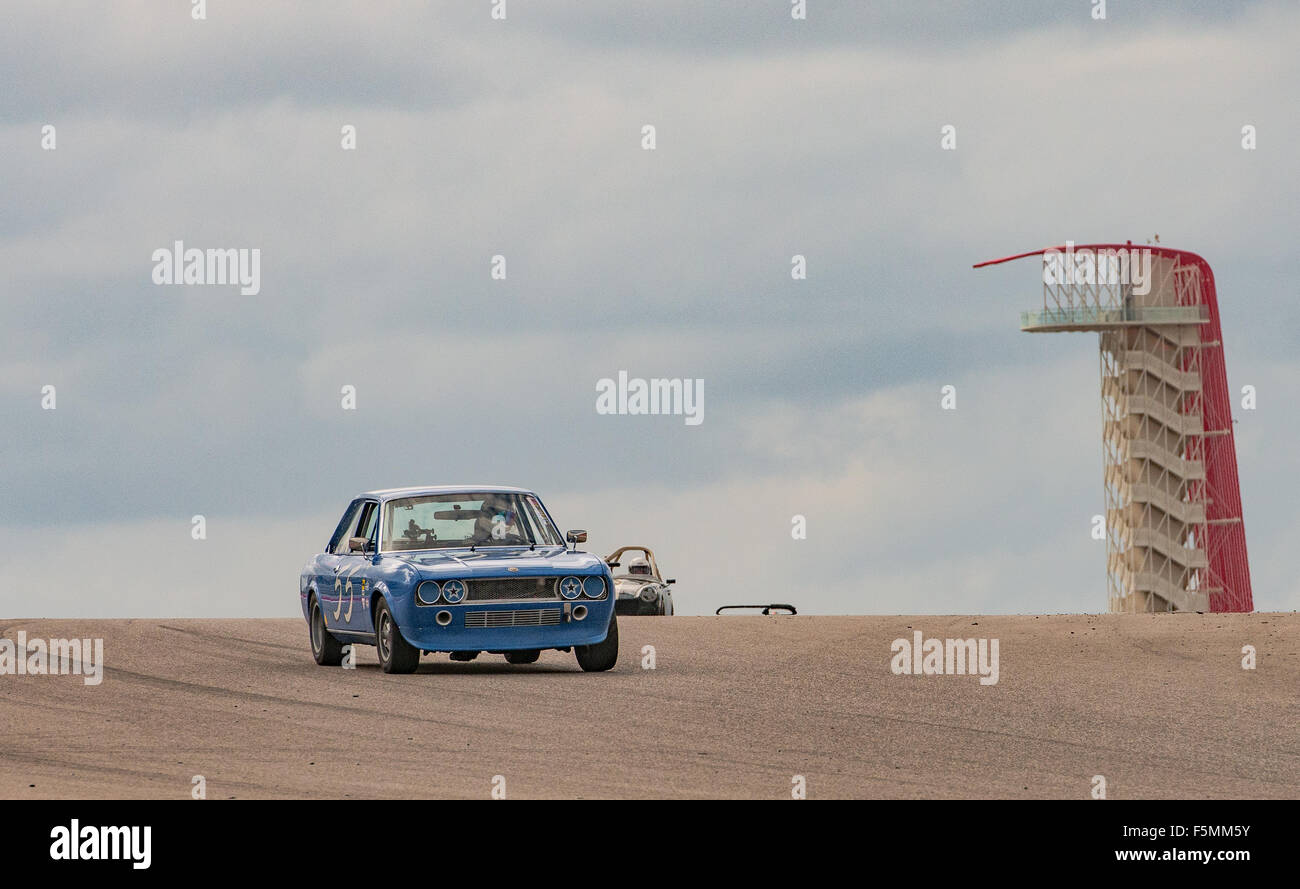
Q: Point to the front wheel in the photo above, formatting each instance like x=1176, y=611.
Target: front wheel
x=327, y=651
x=603, y=655
x=396, y=655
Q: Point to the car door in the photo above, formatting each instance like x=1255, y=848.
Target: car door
x=352, y=580
x=327, y=563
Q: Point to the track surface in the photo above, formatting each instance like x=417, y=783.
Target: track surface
x=1158, y=704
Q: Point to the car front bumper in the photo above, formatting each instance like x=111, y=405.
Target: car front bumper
x=504, y=626
x=635, y=605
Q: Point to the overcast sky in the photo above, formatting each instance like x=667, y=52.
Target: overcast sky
x=523, y=138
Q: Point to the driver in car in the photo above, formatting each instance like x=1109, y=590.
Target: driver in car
x=639, y=567
x=493, y=514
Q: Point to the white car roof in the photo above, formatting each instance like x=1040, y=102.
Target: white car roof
x=389, y=493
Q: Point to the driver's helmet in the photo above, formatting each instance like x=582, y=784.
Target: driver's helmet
x=487, y=512
x=495, y=506
x=639, y=566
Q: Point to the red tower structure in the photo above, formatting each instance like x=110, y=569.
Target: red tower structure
x=1174, y=531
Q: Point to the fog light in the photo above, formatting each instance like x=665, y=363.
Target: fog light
x=443, y=618
x=579, y=612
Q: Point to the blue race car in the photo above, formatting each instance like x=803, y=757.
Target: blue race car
x=464, y=570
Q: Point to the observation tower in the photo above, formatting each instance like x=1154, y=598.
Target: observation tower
x=1174, y=534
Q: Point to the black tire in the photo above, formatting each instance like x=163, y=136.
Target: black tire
x=523, y=656
x=396, y=655
x=325, y=649
x=603, y=655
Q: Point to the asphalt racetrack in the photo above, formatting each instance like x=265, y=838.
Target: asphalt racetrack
x=735, y=707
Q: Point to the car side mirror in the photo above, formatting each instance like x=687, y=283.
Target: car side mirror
x=613, y=564
x=576, y=537
x=358, y=544
x=671, y=580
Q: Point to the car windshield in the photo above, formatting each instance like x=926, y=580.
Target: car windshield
x=635, y=564
x=466, y=518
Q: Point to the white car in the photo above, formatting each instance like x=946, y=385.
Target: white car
x=641, y=589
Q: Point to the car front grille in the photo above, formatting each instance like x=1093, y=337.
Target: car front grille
x=502, y=589
x=533, y=617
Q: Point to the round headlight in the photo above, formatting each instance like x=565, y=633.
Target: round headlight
x=453, y=591
x=649, y=593
x=593, y=587
x=571, y=587
x=427, y=593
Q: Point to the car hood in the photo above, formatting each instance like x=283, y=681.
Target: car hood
x=505, y=562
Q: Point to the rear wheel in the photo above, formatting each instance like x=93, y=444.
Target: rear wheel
x=526, y=656
x=327, y=651
x=396, y=655
x=603, y=655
